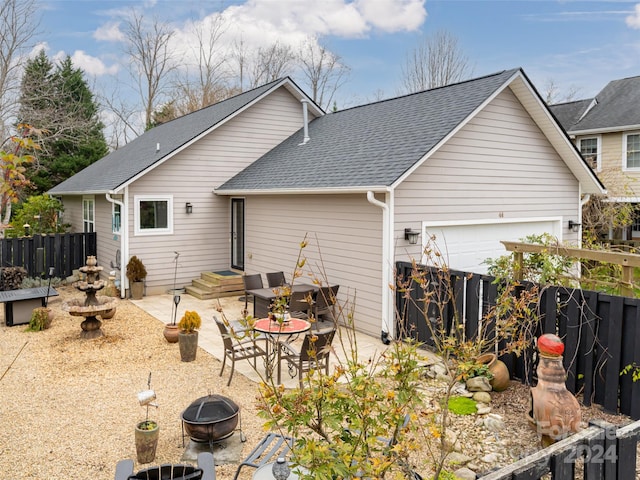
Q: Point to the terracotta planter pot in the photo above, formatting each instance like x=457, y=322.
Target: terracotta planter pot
x=146, y=443
x=188, y=343
x=498, y=369
x=171, y=333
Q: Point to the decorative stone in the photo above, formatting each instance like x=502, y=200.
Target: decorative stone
x=482, y=397
x=483, y=409
x=456, y=458
x=465, y=474
x=491, y=458
x=494, y=423
x=478, y=384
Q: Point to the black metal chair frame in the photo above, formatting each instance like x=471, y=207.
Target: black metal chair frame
x=251, y=282
x=238, y=349
x=314, y=354
x=271, y=446
x=206, y=470
x=324, y=305
x=275, y=279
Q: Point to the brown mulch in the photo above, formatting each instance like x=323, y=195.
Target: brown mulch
x=68, y=406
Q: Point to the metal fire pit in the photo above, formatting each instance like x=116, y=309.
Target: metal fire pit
x=211, y=419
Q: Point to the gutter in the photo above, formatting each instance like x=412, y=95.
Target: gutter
x=386, y=332
x=124, y=250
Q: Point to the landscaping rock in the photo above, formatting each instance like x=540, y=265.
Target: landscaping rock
x=482, y=397
x=465, y=474
x=478, y=384
x=483, y=409
x=456, y=458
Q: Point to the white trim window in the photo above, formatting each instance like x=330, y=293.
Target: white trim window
x=590, y=149
x=153, y=214
x=88, y=214
x=631, y=151
x=116, y=218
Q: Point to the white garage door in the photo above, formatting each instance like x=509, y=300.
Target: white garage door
x=467, y=246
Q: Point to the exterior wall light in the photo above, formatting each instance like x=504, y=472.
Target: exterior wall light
x=411, y=236
x=573, y=226
x=189, y=208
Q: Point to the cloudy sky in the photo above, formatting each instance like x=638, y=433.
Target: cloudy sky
x=580, y=45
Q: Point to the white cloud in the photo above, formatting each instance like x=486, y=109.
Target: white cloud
x=633, y=21
x=92, y=65
x=109, y=32
x=393, y=15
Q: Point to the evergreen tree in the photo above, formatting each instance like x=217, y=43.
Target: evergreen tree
x=59, y=102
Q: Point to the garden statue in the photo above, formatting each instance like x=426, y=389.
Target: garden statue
x=554, y=409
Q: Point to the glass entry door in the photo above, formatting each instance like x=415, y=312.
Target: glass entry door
x=237, y=233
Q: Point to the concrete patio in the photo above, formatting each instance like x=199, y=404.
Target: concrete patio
x=161, y=306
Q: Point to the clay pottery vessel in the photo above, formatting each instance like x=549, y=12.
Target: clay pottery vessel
x=498, y=369
x=171, y=332
x=554, y=409
x=188, y=343
x=146, y=441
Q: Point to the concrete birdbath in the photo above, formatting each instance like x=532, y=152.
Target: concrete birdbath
x=91, y=306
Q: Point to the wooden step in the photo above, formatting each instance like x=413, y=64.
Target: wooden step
x=208, y=295
x=212, y=285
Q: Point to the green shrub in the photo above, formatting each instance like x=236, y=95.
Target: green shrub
x=39, y=319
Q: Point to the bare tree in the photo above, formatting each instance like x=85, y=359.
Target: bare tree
x=323, y=70
x=270, y=63
x=147, y=45
x=206, y=86
x=552, y=93
x=19, y=24
x=435, y=62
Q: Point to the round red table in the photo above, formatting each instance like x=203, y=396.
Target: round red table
x=274, y=331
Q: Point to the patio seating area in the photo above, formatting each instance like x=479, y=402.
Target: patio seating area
x=211, y=340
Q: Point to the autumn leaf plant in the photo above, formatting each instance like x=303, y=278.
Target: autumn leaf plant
x=359, y=420
x=509, y=326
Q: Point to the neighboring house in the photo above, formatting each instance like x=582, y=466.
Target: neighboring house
x=473, y=163
x=606, y=130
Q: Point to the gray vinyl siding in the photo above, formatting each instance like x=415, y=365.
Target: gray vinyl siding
x=202, y=238
x=345, y=244
x=498, y=166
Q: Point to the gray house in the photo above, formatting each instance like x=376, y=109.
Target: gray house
x=472, y=163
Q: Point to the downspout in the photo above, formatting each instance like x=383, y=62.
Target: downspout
x=124, y=251
x=305, y=120
x=387, y=325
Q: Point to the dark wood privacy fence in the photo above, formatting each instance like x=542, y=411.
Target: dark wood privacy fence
x=606, y=452
x=601, y=332
x=65, y=252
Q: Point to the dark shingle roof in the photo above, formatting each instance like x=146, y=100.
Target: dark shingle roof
x=569, y=113
x=617, y=106
x=112, y=171
x=370, y=145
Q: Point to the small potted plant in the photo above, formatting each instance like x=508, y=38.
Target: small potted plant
x=188, y=336
x=136, y=273
x=147, y=431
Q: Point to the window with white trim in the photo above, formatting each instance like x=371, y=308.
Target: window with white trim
x=116, y=217
x=88, y=214
x=153, y=215
x=631, y=150
x=590, y=150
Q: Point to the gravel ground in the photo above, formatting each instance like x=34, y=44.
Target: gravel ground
x=68, y=406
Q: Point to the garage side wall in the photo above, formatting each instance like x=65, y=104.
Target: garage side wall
x=499, y=167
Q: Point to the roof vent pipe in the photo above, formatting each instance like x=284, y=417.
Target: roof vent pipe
x=305, y=120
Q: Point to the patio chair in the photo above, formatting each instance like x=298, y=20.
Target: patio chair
x=313, y=354
x=238, y=349
x=300, y=304
x=272, y=446
x=205, y=471
x=324, y=307
x=276, y=279
x=251, y=282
